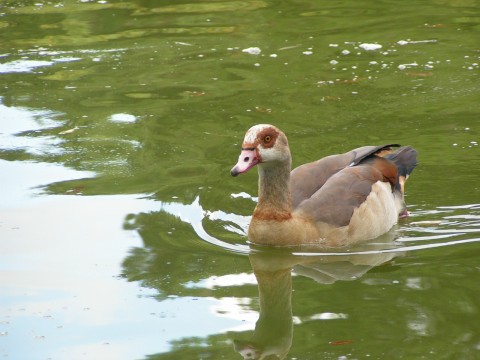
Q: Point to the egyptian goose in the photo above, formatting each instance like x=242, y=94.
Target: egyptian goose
x=337, y=201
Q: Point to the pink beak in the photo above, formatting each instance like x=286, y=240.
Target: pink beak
x=248, y=158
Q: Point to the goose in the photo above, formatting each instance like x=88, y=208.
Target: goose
x=337, y=201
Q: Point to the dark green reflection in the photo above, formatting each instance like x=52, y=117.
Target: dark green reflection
x=273, y=335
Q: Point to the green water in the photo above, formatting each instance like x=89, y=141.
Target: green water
x=122, y=233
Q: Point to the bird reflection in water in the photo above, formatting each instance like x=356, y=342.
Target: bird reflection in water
x=273, y=334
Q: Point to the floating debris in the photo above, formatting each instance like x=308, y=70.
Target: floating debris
x=252, y=50
x=263, y=110
x=195, y=93
x=289, y=47
x=69, y=131
x=406, y=42
x=182, y=43
x=340, y=342
x=123, y=118
x=404, y=66
x=370, y=47
x=435, y=25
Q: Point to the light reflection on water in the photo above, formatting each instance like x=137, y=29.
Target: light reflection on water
x=135, y=110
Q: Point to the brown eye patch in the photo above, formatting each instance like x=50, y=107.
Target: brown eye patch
x=267, y=137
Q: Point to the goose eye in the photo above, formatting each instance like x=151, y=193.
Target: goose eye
x=267, y=139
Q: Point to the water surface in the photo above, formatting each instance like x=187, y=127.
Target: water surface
x=122, y=233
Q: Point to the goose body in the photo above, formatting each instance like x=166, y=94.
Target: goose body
x=336, y=201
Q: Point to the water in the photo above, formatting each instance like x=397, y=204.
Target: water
x=122, y=233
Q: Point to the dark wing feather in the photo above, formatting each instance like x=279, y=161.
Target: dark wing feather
x=365, y=151
x=307, y=179
x=405, y=158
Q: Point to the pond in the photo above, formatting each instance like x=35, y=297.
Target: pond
x=122, y=232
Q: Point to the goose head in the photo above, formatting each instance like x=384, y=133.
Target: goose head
x=264, y=145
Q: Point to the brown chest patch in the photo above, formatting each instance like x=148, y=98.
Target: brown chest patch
x=271, y=215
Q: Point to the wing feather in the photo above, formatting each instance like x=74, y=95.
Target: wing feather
x=346, y=190
x=307, y=179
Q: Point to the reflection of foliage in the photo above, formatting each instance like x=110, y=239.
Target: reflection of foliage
x=212, y=7
x=172, y=256
x=154, y=82
x=84, y=23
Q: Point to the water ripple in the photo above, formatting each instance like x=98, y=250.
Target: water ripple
x=408, y=237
